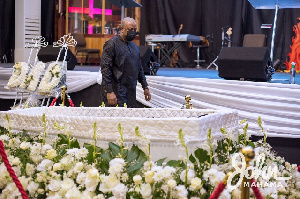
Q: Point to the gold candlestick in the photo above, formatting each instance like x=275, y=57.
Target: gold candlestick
x=188, y=104
x=63, y=94
x=249, y=155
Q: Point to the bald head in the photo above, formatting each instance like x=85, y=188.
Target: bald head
x=126, y=21
x=128, y=29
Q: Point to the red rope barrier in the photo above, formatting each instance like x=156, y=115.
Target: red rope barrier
x=53, y=102
x=70, y=101
x=12, y=172
x=256, y=190
x=218, y=191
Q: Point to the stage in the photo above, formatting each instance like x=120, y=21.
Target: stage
x=276, y=102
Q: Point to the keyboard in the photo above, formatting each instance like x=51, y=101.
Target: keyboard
x=170, y=38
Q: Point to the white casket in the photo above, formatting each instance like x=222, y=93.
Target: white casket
x=161, y=125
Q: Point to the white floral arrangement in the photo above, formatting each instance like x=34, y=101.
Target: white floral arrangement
x=33, y=77
x=20, y=71
x=63, y=169
x=51, y=78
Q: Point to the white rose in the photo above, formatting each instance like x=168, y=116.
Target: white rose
x=298, y=185
x=149, y=177
x=4, y=137
x=24, y=181
x=54, y=185
x=146, y=190
x=81, y=178
x=168, y=171
x=67, y=162
x=36, y=158
x=57, y=166
x=109, y=183
x=44, y=165
x=78, y=167
x=30, y=169
x=88, y=194
x=100, y=196
x=16, y=161
x=73, y=193
x=225, y=194
x=51, y=153
x=181, y=191
x=172, y=183
x=196, y=184
x=41, y=191
x=46, y=147
x=17, y=170
x=120, y=191
x=81, y=153
x=202, y=191
x=190, y=176
x=32, y=187
x=66, y=184
x=116, y=166
x=92, y=179
x=137, y=179
x=236, y=194
x=124, y=177
x=25, y=145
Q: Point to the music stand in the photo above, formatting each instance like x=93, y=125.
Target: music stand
x=274, y=4
x=125, y=4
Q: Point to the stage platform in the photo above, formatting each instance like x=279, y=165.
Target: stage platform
x=276, y=102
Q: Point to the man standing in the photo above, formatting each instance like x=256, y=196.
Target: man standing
x=121, y=67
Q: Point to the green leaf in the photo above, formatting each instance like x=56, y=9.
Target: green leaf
x=90, y=148
x=114, y=148
x=160, y=161
x=137, y=165
x=192, y=159
x=174, y=163
x=202, y=155
x=104, y=166
x=105, y=155
x=251, y=144
x=63, y=139
x=75, y=144
x=132, y=153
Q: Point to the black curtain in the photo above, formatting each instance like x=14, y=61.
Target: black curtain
x=47, y=20
x=7, y=30
x=207, y=17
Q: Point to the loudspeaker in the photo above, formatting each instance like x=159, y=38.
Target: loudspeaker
x=250, y=63
x=50, y=53
x=147, y=56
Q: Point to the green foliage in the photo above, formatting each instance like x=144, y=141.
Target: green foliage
x=135, y=165
x=90, y=148
x=160, y=161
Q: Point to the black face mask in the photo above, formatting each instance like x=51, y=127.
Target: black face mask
x=130, y=35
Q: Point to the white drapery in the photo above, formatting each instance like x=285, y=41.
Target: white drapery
x=277, y=104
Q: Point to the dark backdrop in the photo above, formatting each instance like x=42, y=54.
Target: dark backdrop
x=7, y=30
x=207, y=17
x=199, y=17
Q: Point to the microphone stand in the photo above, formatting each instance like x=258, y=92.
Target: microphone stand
x=223, y=39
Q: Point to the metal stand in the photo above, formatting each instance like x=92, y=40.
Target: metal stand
x=273, y=33
x=223, y=41
x=213, y=63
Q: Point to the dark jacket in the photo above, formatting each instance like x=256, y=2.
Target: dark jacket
x=121, y=68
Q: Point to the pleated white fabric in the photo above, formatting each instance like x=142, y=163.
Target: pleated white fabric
x=277, y=104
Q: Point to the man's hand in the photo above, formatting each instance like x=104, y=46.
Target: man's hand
x=112, y=99
x=147, y=94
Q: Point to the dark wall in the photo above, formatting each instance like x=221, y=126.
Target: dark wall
x=207, y=17
x=7, y=31
x=47, y=20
